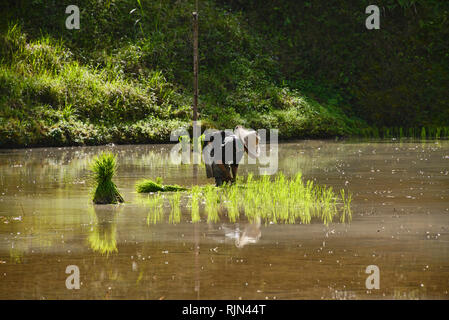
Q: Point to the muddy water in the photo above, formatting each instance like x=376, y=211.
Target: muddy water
x=400, y=224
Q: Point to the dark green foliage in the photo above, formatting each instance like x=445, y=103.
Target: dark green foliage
x=395, y=76
x=103, y=168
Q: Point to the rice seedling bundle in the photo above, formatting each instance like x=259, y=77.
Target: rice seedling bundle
x=104, y=168
x=147, y=186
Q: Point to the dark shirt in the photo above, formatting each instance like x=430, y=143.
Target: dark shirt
x=231, y=150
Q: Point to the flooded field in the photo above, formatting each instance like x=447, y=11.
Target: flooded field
x=400, y=223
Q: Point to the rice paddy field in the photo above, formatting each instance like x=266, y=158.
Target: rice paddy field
x=307, y=232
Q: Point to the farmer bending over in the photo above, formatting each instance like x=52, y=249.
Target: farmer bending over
x=231, y=147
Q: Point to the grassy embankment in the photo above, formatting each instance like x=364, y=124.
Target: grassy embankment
x=307, y=69
x=63, y=87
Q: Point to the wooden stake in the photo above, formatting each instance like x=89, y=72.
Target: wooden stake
x=195, y=66
x=195, y=96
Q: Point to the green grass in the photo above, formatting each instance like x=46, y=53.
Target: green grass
x=278, y=200
x=104, y=168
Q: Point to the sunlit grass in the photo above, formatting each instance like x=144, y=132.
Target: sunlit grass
x=274, y=200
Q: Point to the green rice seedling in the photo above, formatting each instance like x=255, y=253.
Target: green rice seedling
x=175, y=213
x=308, y=202
x=376, y=133
x=423, y=133
x=328, y=205
x=263, y=197
x=194, y=203
x=274, y=207
x=232, y=202
x=275, y=194
x=386, y=133
x=212, y=203
x=104, y=167
x=430, y=132
x=346, y=208
x=156, y=204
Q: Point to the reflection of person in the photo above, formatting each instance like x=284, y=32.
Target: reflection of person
x=232, y=146
x=251, y=234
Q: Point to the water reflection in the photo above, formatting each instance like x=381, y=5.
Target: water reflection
x=238, y=234
x=102, y=238
x=251, y=233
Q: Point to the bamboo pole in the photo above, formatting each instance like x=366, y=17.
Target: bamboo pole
x=195, y=66
x=196, y=133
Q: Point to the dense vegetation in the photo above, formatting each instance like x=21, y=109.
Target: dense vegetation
x=310, y=69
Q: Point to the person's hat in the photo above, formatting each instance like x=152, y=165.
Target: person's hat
x=250, y=140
